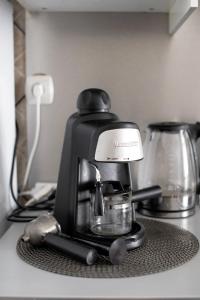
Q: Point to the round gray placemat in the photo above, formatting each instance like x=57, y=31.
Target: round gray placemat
x=165, y=247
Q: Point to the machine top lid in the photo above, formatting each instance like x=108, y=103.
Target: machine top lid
x=93, y=100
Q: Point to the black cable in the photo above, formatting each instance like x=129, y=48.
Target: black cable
x=45, y=204
x=12, y=167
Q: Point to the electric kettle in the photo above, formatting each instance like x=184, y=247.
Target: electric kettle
x=170, y=160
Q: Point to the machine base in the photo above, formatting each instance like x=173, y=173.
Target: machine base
x=134, y=239
x=167, y=214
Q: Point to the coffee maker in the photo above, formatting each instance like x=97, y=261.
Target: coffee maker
x=95, y=165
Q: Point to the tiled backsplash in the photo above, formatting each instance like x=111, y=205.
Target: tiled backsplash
x=19, y=47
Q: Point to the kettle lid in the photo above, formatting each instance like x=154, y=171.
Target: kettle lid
x=169, y=126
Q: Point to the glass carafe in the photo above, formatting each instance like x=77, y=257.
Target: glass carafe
x=170, y=161
x=117, y=216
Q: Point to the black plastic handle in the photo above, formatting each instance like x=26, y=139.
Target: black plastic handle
x=195, y=135
x=146, y=193
x=194, y=130
x=74, y=249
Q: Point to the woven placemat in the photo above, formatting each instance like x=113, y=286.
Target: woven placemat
x=165, y=247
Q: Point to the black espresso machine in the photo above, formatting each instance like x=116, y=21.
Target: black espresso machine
x=95, y=198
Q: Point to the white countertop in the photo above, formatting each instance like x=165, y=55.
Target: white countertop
x=18, y=280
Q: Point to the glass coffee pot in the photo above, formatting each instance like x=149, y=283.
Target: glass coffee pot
x=170, y=160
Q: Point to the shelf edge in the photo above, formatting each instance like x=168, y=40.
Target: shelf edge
x=180, y=12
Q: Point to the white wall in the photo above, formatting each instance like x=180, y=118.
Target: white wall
x=149, y=75
x=7, y=108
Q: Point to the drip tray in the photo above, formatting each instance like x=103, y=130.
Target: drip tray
x=165, y=247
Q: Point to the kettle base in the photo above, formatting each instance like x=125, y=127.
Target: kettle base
x=167, y=214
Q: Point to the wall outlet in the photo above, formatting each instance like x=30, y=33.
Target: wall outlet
x=47, y=85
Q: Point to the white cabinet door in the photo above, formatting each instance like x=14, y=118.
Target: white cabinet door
x=7, y=108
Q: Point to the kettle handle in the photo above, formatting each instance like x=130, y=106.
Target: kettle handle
x=195, y=135
x=195, y=131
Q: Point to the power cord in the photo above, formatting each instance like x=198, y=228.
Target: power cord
x=18, y=214
x=46, y=204
x=37, y=92
x=12, y=167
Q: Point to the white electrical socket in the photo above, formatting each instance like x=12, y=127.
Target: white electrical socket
x=48, y=87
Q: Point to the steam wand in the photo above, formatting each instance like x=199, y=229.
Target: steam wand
x=98, y=202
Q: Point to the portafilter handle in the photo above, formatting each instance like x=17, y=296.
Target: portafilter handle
x=75, y=249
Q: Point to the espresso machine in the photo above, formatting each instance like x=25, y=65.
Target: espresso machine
x=94, y=199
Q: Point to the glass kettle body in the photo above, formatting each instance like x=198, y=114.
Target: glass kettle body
x=170, y=160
